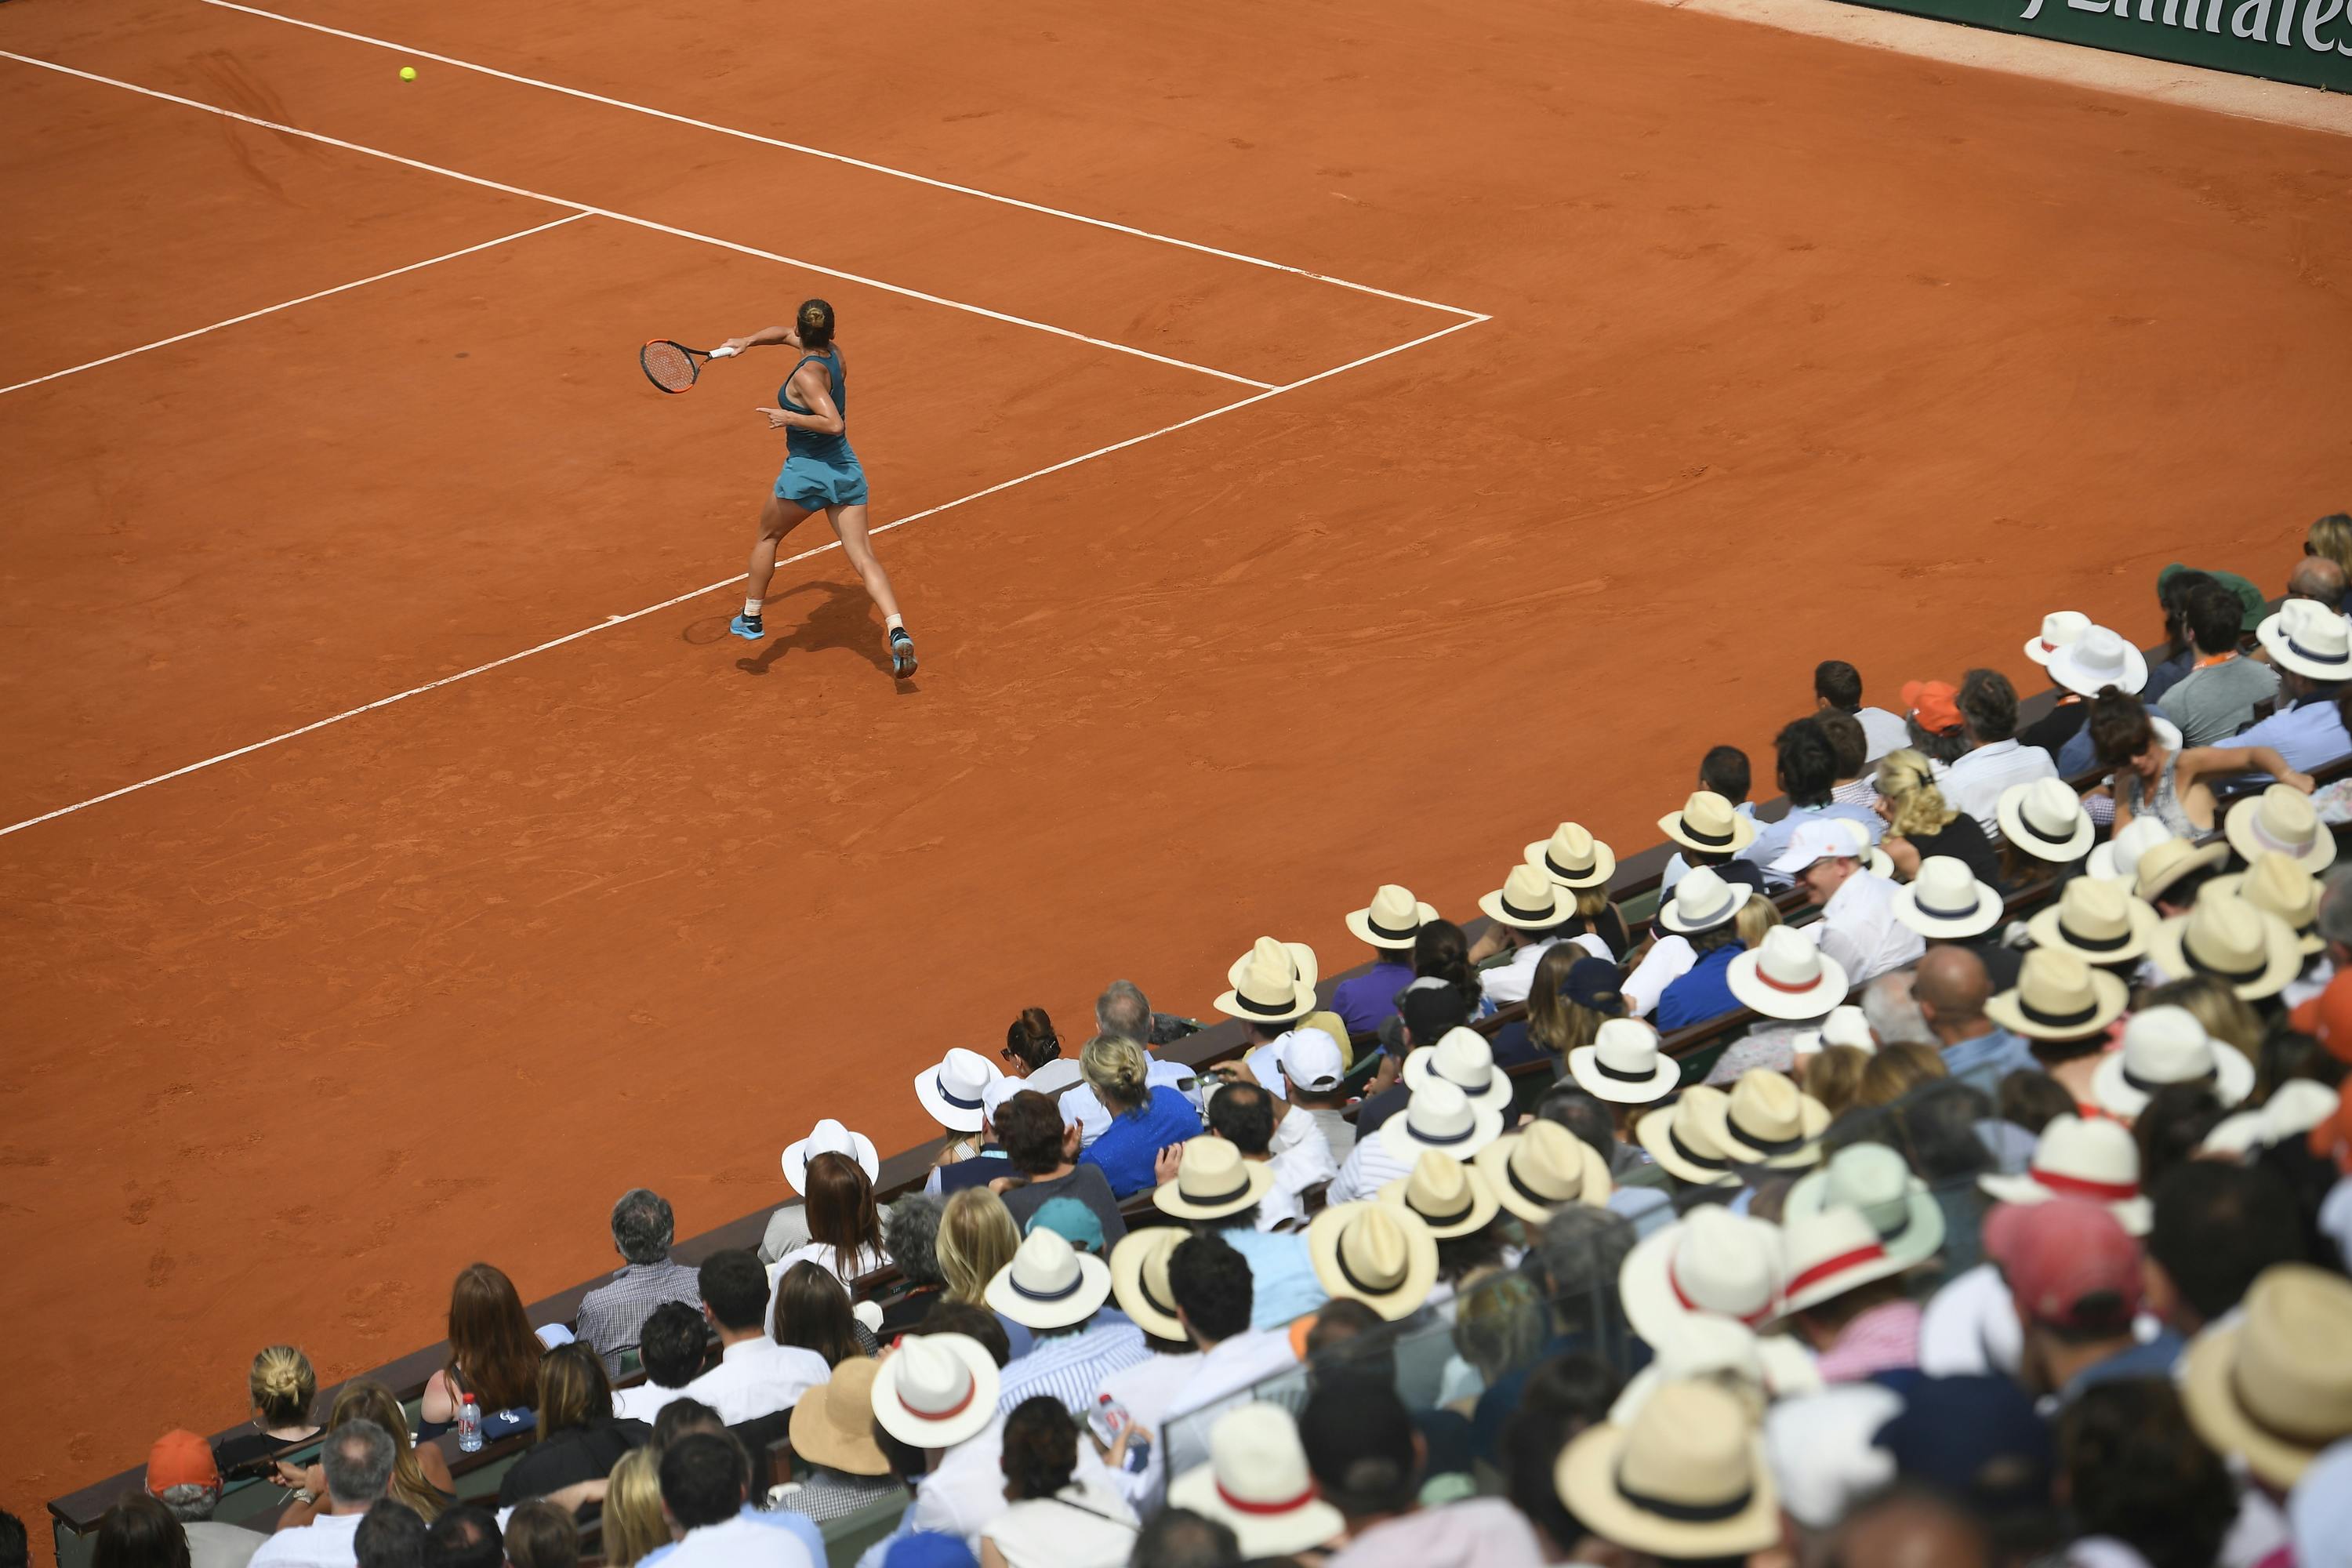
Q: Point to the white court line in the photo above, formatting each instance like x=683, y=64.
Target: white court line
x=585, y=209
x=731, y=580
x=289, y=304
x=843, y=158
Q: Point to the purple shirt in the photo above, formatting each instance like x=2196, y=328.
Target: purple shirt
x=1365, y=999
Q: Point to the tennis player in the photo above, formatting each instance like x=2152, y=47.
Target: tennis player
x=820, y=474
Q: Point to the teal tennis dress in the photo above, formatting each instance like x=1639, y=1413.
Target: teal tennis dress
x=820, y=470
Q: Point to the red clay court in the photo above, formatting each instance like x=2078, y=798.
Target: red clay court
x=1674, y=354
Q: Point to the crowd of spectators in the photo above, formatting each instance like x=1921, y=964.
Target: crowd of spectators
x=1988, y=1206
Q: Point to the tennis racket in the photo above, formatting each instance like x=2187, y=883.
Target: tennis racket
x=673, y=367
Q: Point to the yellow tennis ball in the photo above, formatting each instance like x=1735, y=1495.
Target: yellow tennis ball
x=408, y=73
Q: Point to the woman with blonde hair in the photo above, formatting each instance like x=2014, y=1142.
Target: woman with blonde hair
x=1145, y=1116
x=1920, y=823
x=1833, y=1075
x=281, y=1385
x=1757, y=916
x=977, y=1238
x=2332, y=536
x=1895, y=1070
x=634, y=1524
x=420, y=1477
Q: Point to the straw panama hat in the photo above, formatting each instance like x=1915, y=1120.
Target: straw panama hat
x=1139, y=1279
x=2275, y=1386
x=2046, y=820
x=2099, y=921
x=2293, y=1108
x=1463, y=1058
x=1687, y=1137
x=1709, y=1261
x=1830, y=1251
x=1707, y=824
x=2248, y=948
x=2280, y=819
x=1527, y=900
x=1624, y=1065
x=1873, y=1181
x=1755, y=1370
x=1440, y=1116
x=1945, y=900
x=829, y=1137
x=1049, y=1284
x=2058, y=997
x=935, y=1390
x=1212, y=1181
x=1573, y=858
x=1376, y=1253
x=1268, y=987
x=2117, y=860
x=2163, y=863
x=1256, y=1483
x=834, y=1421
x=2059, y=627
x=2308, y=638
x=955, y=1091
x=1843, y=1024
x=1451, y=1198
x=1537, y=1172
x=1686, y=1479
x=2279, y=884
x=2164, y=1045
x=1787, y=977
x=1394, y=917
x=1702, y=901
x=2099, y=658
x=1769, y=1121
x=2086, y=1161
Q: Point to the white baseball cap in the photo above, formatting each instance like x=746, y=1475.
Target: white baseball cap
x=1311, y=1061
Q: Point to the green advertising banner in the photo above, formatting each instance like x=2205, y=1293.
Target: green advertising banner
x=2304, y=41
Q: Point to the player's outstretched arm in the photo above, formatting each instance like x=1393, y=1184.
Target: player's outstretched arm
x=764, y=338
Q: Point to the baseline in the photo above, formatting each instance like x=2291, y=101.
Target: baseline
x=1039, y=208
x=731, y=580
x=586, y=209
x=289, y=304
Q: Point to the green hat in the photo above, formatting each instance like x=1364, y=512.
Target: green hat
x=2253, y=605
x=1077, y=1224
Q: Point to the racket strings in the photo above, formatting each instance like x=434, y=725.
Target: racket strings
x=670, y=366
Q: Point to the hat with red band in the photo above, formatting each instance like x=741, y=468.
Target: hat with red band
x=1256, y=1484
x=936, y=1390
x=2089, y=1161
x=1831, y=1251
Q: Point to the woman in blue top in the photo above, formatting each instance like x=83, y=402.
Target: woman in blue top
x=820, y=474
x=1145, y=1118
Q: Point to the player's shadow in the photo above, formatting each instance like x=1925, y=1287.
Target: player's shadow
x=843, y=617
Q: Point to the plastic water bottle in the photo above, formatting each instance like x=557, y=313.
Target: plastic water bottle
x=1108, y=1419
x=470, y=1425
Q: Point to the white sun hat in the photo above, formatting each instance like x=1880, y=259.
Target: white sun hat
x=1708, y=823
x=1830, y=1251
x=2167, y=1046
x=955, y=1091
x=1946, y=901
x=1787, y=977
x=2046, y=820
x=2059, y=997
x=1711, y=1260
x=1212, y=1181
x=1462, y=1058
x=2059, y=627
x=2278, y=883
x=2091, y=1161
x=1873, y=1180
x=1572, y=857
x=2308, y=638
x=1392, y=919
x=2097, y=659
x=2098, y=921
x=829, y=1137
x=2248, y=948
x=2293, y=1108
x=1452, y=1198
x=1845, y=1025
x=1049, y=1284
x=1702, y=901
x=1268, y=987
x=1543, y=1168
x=1440, y=1116
x=1624, y=1065
x=2117, y=860
x=936, y=1390
x=1257, y=1485
x=1686, y=1479
x=1528, y=899
x=1687, y=1138
x=1376, y=1253
x=1769, y=1121
x=2280, y=819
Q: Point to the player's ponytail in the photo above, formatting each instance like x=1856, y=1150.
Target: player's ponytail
x=814, y=324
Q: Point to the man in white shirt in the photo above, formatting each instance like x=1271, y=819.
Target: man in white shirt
x=1837, y=686
x=1995, y=760
x=705, y=1481
x=671, y=1344
x=357, y=1458
x=1857, y=927
x=1528, y=913
x=1123, y=1011
x=1213, y=1302
x=755, y=1376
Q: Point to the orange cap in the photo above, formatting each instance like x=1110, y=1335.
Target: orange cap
x=181, y=1458
x=2327, y=1017
x=1934, y=703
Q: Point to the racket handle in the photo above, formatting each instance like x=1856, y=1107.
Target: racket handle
x=724, y=351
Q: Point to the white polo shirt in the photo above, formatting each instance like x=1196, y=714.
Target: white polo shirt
x=758, y=1377
x=329, y=1541
x=1974, y=782
x=750, y=1539
x=644, y=1402
x=1858, y=929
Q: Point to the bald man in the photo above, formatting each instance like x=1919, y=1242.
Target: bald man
x=1912, y=1530
x=2316, y=577
x=1950, y=989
